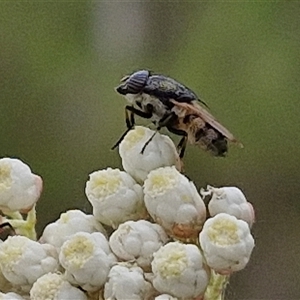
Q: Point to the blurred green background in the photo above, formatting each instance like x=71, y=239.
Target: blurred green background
x=60, y=62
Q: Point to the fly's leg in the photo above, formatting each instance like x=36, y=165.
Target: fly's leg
x=182, y=146
x=130, y=111
x=182, y=143
x=162, y=123
x=149, y=140
x=129, y=118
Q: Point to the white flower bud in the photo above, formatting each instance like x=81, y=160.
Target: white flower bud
x=179, y=270
x=115, y=197
x=69, y=223
x=226, y=242
x=87, y=259
x=160, y=152
x=10, y=296
x=19, y=188
x=229, y=200
x=5, y=285
x=23, y=261
x=127, y=282
x=165, y=297
x=174, y=203
x=53, y=286
x=137, y=241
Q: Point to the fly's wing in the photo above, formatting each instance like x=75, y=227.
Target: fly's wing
x=164, y=87
x=196, y=109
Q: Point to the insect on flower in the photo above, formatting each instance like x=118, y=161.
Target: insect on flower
x=168, y=103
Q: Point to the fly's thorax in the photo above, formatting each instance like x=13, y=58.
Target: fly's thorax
x=159, y=109
x=151, y=104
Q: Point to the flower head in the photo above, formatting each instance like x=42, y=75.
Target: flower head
x=19, y=188
x=230, y=200
x=115, y=197
x=127, y=282
x=10, y=296
x=160, y=152
x=226, y=242
x=137, y=241
x=23, y=261
x=87, y=259
x=54, y=286
x=165, y=297
x=174, y=203
x=69, y=223
x=5, y=285
x=179, y=270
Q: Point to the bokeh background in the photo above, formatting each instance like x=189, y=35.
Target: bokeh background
x=59, y=113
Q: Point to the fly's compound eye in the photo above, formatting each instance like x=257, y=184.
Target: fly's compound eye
x=137, y=81
x=134, y=83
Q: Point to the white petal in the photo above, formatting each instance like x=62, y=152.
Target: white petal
x=226, y=242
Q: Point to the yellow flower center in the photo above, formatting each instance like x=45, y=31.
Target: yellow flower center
x=105, y=183
x=173, y=263
x=224, y=232
x=5, y=177
x=163, y=180
x=134, y=137
x=78, y=251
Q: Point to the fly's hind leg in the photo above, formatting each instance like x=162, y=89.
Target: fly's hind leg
x=182, y=143
x=182, y=146
x=130, y=111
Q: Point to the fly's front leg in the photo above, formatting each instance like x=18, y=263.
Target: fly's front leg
x=162, y=123
x=129, y=118
x=130, y=111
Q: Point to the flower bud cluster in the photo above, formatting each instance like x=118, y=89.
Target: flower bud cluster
x=162, y=242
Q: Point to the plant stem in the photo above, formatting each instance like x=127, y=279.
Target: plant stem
x=216, y=287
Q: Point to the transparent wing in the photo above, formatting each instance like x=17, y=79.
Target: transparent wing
x=195, y=109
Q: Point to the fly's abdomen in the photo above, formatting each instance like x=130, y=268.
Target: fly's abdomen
x=200, y=133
